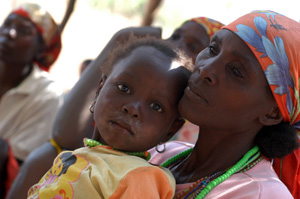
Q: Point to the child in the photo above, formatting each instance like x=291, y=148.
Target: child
x=135, y=109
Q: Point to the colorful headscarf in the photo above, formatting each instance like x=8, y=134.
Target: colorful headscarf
x=211, y=26
x=275, y=39
x=48, y=29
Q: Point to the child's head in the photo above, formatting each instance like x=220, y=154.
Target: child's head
x=83, y=65
x=136, y=108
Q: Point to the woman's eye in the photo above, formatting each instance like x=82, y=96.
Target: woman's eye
x=212, y=50
x=123, y=88
x=237, y=72
x=6, y=23
x=156, y=107
x=24, y=31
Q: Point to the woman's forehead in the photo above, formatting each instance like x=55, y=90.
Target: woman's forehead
x=235, y=48
x=17, y=18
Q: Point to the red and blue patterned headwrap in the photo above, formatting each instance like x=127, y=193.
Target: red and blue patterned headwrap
x=275, y=39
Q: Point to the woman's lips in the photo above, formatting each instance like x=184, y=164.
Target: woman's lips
x=190, y=93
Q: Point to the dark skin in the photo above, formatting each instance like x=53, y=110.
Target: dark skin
x=190, y=37
x=74, y=119
x=17, y=50
x=241, y=109
x=137, y=105
x=65, y=125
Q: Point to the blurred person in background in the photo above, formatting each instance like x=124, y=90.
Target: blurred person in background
x=29, y=98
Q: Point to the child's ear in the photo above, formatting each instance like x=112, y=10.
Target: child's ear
x=101, y=84
x=272, y=118
x=174, y=129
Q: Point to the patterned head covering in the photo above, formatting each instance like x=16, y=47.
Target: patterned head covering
x=48, y=29
x=211, y=26
x=275, y=39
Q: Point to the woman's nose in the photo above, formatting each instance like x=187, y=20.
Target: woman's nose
x=208, y=73
x=132, y=110
x=9, y=31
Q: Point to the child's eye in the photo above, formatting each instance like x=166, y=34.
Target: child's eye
x=123, y=88
x=156, y=107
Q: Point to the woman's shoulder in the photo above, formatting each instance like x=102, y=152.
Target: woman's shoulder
x=259, y=182
x=169, y=149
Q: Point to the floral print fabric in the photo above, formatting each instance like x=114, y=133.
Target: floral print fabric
x=275, y=39
x=210, y=25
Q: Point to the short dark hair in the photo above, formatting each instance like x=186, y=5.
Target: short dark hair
x=124, y=50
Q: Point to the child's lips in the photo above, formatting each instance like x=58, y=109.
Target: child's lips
x=121, y=127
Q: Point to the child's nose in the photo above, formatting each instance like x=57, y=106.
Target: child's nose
x=132, y=110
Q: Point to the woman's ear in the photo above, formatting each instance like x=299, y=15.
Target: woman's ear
x=174, y=129
x=40, y=57
x=272, y=118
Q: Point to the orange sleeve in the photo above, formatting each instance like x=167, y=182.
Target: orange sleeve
x=146, y=183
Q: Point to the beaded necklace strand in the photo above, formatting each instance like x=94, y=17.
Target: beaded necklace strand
x=205, y=185
x=93, y=143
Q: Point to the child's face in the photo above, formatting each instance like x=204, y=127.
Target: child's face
x=137, y=105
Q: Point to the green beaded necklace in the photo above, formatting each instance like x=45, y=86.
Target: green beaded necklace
x=92, y=143
x=249, y=157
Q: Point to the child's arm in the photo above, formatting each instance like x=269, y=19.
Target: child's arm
x=33, y=168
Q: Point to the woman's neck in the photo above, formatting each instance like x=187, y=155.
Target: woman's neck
x=11, y=76
x=212, y=154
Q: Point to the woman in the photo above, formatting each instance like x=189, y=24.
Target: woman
x=29, y=99
x=192, y=37
x=74, y=120
x=244, y=95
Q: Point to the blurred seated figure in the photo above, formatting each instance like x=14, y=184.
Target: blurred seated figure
x=29, y=98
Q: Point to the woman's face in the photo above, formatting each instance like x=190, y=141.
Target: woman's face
x=228, y=89
x=191, y=38
x=19, y=40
